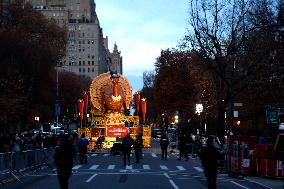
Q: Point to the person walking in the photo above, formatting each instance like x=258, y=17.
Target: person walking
x=83, y=148
x=140, y=140
x=63, y=156
x=182, y=147
x=137, y=147
x=127, y=142
x=209, y=156
x=164, y=142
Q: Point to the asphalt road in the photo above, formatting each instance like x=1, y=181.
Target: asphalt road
x=104, y=171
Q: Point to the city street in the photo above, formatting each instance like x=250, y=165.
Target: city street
x=105, y=171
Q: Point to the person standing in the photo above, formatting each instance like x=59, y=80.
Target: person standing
x=127, y=142
x=164, y=142
x=209, y=156
x=63, y=157
x=140, y=140
x=137, y=147
x=83, y=148
x=182, y=147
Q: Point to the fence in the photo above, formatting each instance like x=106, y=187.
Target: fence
x=15, y=163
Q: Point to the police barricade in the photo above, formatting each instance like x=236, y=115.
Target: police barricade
x=14, y=163
x=5, y=164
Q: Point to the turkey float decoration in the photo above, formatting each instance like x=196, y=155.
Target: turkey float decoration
x=111, y=99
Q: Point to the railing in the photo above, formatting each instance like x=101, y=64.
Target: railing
x=15, y=163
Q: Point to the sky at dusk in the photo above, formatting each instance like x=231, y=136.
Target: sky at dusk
x=141, y=29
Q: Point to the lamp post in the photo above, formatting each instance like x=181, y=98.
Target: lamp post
x=199, y=110
x=36, y=120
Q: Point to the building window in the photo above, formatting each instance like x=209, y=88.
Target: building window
x=89, y=63
x=83, y=62
x=92, y=69
x=88, y=69
x=79, y=69
x=93, y=63
x=80, y=63
x=88, y=56
x=93, y=57
x=83, y=69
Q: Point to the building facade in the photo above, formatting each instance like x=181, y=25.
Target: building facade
x=86, y=52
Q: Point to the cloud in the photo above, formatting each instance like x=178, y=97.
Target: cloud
x=141, y=29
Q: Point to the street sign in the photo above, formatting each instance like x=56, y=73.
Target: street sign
x=57, y=109
x=271, y=113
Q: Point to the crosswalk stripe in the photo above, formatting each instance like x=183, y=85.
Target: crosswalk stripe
x=154, y=155
x=91, y=178
x=146, y=166
x=94, y=167
x=198, y=169
x=94, y=155
x=105, y=154
x=181, y=168
x=111, y=167
x=163, y=167
x=77, y=166
x=129, y=167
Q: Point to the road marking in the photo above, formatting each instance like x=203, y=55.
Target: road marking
x=171, y=181
x=163, y=167
x=77, y=166
x=146, y=166
x=91, y=178
x=94, y=167
x=239, y=185
x=106, y=155
x=154, y=155
x=258, y=183
x=94, y=154
x=111, y=167
x=129, y=167
x=198, y=169
x=181, y=168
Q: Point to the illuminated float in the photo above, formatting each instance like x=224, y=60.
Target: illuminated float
x=111, y=98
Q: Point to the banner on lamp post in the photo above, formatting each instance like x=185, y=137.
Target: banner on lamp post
x=143, y=108
x=86, y=101
x=81, y=110
x=137, y=101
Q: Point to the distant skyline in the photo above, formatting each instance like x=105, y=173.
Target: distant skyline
x=141, y=29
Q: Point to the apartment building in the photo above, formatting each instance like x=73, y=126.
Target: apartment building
x=86, y=53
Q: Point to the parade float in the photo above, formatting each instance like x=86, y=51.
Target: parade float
x=111, y=100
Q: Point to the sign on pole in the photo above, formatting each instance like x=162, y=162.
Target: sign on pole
x=271, y=113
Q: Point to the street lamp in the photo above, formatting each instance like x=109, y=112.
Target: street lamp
x=36, y=120
x=176, y=119
x=198, y=110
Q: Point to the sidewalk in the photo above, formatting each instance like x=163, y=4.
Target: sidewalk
x=267, y=182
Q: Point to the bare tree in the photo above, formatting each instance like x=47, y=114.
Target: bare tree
x=219, y=32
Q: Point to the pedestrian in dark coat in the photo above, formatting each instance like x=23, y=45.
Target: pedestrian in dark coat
x=209, y=156
x=137, y=147
x=164, y=143
x=83, y=148
x=63, y=157
x=182, y=147
x=127, y=142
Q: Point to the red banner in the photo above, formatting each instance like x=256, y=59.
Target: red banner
x=143, y=108
x=116, y=131
x=137, y=102
x=81, y=110
x=86, y=99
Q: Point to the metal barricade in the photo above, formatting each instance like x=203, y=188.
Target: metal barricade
x=14, y=163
